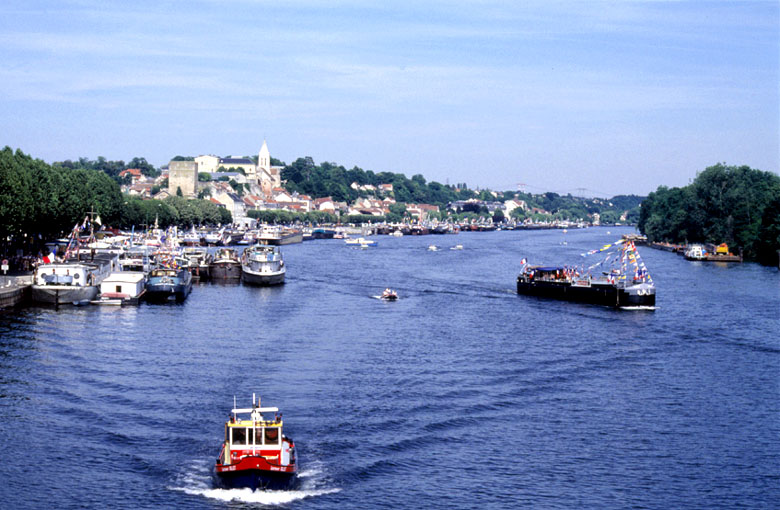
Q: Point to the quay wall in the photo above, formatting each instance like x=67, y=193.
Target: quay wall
x=15, y=291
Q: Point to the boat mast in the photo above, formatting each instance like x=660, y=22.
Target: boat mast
x=92, y=213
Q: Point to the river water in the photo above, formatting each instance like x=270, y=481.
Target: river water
x=462, y=394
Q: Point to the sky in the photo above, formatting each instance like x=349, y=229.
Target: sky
x=594, y=98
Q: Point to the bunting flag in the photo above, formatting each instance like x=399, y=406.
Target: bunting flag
x=625, y=259
x=603, y=248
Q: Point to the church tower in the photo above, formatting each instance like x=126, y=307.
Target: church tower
x=264, y=160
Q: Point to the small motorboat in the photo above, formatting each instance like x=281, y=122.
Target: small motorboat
x=361, y=241
x=433, y=247
x=389, y=295
x=255, y=453
x=457, y=247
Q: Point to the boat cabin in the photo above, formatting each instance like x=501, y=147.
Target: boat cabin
x=264, y=253
x=549, y=273
x=696, y=252
x=256, y=437
x=172, y=273
x=64, y=274
x=135, y=260
x=226, y=255
x=123, y=285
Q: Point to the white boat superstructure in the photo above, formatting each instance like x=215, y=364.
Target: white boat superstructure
x=137, y=259
x=263, y=265
x=121, y=288
x=73, y=282
x=695, y=252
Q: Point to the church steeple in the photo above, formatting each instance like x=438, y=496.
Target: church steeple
x=264, y=158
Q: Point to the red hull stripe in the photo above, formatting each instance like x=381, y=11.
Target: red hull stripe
x=259, y=463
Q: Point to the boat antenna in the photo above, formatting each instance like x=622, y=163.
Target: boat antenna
x=253, y=400
x=234, y=407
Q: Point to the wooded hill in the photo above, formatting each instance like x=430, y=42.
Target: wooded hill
x=330, y=179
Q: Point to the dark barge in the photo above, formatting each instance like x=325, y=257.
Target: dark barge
x=625, y=283
x=555, y=283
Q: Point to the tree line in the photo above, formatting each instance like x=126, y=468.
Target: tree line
x=329, y=179
x=40, y=202
x=112, y=168
x=737, y=205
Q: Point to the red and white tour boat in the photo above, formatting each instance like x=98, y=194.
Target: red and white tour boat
x=256, y=454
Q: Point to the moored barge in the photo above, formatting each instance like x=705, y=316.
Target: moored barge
x=263, y=265
x=225, y=265
x=169, y=283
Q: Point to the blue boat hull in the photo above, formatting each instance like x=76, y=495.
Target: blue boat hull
x=177, y=288
x=256, y=479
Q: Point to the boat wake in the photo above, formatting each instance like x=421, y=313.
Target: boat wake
x=638, y=307
x=198, y=481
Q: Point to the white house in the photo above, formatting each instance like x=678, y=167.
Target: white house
x=207, y=163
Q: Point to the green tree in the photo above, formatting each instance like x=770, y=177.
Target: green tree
x=723, y=204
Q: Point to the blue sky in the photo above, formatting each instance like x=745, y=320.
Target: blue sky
x=613, y=97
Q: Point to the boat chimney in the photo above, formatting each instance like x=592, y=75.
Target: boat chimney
x=253, y=399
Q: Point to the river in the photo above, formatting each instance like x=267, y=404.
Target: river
x=461, y=394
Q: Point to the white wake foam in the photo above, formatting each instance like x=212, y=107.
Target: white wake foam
x=197, y=480
x=261, y=497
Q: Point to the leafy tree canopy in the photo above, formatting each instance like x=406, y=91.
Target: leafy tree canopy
x=731, y=204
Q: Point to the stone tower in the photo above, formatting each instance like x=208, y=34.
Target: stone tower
x=184, y=175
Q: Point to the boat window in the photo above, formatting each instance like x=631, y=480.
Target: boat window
x=259, y=436
x=239, y=436
x=272, y=436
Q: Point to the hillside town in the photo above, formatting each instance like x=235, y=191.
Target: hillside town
x=243, y=184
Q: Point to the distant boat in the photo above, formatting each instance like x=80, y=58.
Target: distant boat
x=263, y=265
x=323, y=233
x=199, y=262
x=136, y=259
x=389, y=295
x=457, y=247
x=214, y=238
x=191, y=238
x=696, y=252
x=361, y=241
x=433, y=247
x=279, y=236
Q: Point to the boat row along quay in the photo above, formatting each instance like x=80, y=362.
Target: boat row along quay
x=159, y=266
